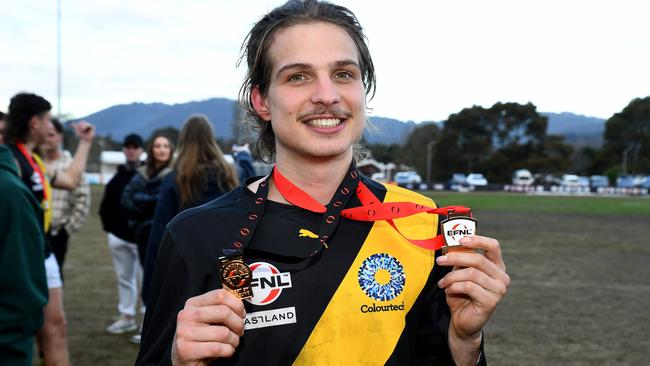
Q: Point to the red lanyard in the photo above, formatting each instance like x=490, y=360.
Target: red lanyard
x=295, y=195
x=371, y=210
x=34, y=166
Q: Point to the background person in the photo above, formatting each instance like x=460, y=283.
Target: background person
x=69, y=207
x=200, y=175
x=22, y=274
x=140, y=196
x=28, y=123
x=121, y=239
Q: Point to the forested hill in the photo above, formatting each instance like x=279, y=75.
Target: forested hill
x=120, y=120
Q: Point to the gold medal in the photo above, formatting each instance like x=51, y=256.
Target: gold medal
x=236, y=277
x=454, y=229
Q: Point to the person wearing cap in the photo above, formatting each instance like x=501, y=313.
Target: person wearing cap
x=121, y=238
x=316, y=264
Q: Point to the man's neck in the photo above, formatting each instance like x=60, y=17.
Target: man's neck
x=319, y=178
x=30, y=146
x=132, y=164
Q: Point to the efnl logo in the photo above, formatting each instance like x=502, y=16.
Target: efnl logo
x=267, y=283
x=457, y=228
x=381, y=277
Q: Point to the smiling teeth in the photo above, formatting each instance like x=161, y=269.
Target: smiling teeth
x=324, y=123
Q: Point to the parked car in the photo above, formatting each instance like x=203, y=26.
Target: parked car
x=523, y=177
x=646, y=182
x=476, y=179
x=639, y=180
x=379, y=177
x=598, y=181
x=457, y=178
x=625, y=181
x=570, y=180
x=407, y=177
x=583, y=181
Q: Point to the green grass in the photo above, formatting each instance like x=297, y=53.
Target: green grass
x=594, y=205
x=579, y=293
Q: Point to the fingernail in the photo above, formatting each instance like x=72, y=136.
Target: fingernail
x=464, y=241
x=442, y=259
x=440, y=283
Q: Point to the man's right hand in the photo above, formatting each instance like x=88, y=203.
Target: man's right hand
x=208, y=327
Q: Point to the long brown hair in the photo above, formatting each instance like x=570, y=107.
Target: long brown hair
x=200, y=158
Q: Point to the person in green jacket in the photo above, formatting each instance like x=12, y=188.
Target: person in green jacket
x=22, y=274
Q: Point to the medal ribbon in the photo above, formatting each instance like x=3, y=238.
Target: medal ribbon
x=34, y=166
x=296, y=196
x=371, y=209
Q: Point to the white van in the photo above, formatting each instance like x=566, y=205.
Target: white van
x=522, y=177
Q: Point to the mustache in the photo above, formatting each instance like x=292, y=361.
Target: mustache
x=335, y=111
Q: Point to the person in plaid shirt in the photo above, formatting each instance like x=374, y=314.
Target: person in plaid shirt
x=69, y=207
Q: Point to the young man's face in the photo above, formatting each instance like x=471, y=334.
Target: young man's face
x=316, y=97
x=53, y=139
x=132, y=152
x=40, y=127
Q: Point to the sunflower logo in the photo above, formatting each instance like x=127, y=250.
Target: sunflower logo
x=381, y=277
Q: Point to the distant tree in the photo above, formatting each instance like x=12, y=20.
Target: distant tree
x=552, y=157
x=414, y=152
x=583, y=161
x=386, y=153
x=497, y=141
x=464, y=143
x=627, y=138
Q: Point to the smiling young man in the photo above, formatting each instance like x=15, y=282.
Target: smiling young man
x=334, y=278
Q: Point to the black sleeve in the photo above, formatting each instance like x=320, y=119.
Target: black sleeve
x=107, y=210
x=173, y=283
x=129, y=201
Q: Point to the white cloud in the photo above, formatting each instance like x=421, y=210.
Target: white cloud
x=432, y=58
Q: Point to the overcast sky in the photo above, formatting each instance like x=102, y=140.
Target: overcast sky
x=432, y=58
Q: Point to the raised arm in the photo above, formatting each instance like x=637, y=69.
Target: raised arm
x=71, y=177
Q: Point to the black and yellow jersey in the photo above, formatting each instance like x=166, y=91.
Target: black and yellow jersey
x=369, y=298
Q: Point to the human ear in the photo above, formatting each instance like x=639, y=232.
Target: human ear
x=259, y=103
x=33, y=122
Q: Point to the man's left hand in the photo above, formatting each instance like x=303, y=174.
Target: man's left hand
x=474, y=287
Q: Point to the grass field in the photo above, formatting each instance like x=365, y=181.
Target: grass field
x=579, y=295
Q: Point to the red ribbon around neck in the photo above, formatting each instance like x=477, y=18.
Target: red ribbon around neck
x=34, y=166
x=371, y=208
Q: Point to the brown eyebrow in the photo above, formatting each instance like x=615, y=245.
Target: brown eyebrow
x=299, y=65
x=347, y=63
x=292, y=66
